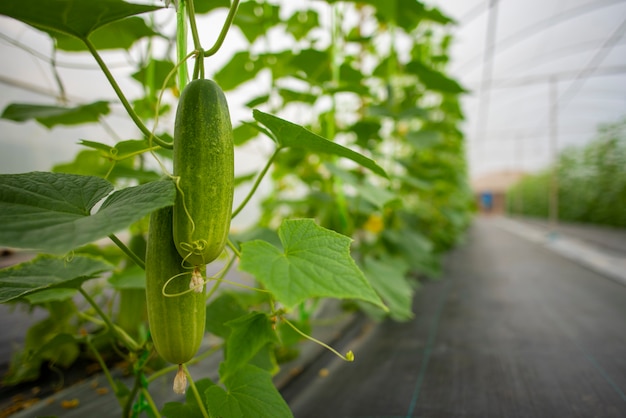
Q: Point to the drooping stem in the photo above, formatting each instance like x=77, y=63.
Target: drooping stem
x=257, y=182
x=103, y=366
x=128, y=251
x=222, y=36
x=129, y=109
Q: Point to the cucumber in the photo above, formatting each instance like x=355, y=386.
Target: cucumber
x=177, y=322
x=204, y=165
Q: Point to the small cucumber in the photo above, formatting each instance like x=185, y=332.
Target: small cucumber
x=204, y=165
x=176, y=322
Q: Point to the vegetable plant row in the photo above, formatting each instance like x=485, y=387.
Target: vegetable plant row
x=367, y=185
x=591, y=182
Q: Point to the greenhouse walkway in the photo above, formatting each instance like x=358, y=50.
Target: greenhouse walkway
x=524, y=323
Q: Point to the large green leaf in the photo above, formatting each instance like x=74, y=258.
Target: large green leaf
x=249, y=334
x=52, y=212
x=254, y=18
x=389, y=279
x=434, y=80
x=239, y=69
x=249, y=393
x=155, y=73
x=50, y=116
x=77, y=18
x=45, y=272
x=121, y=34
x=314, y=262
x=295, y=136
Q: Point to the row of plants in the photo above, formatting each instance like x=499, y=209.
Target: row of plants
x=590, y=179
x=365, y=182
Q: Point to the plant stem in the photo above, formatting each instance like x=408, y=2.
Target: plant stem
x=128, y=251
x=193, y=26
x=257, y=182
x=146, y=394
x=181, y=44
x=196, y=394
x=131, y=397
x=120, y=95
x=225, y=28
x=126, y=339
x=103, y=366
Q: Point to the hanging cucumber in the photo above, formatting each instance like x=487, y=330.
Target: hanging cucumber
x=176, y=321
x=204, y=167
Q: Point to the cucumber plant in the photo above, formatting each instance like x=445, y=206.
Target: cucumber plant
x=373, y=164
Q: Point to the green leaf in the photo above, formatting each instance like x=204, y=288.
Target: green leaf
x=190, y=408
x=388, y=277
x=77, y=18
x=220, y=311
x=313, y=66
x=50, y=295
x=121, y=34
x=290, y=96
x=203, y=6
x=314, y=262
x=249, y=334
x=51, y=212
x=295, y=136
x=45, y=272
x=249, y=393
x=434, y=80
x=254, y=18
x=130, y=278
x=239, y=69
x=302, y=22
x=155, y=73
x=50, y=116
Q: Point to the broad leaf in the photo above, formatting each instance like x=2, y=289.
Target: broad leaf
x=434, y=80
x=249, y=334
x=239, y=69
x=190, y=408
x=50, y=116
x=302, y=22
x=254, y=18
x=203, y=6
x=45, y=272
x=51, y=212
x=314, y=262
x=249, y=393
x=121, y=34
x=389, y=279
x=295, y=136
x=155, y=73
x=77, y=18
x=132, y=277
x=220, y=311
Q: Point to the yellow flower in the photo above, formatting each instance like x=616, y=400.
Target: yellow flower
x=374, y=224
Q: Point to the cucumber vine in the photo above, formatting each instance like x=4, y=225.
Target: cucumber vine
x=367, y=190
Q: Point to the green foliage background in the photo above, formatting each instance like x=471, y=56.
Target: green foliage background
x=591, y=183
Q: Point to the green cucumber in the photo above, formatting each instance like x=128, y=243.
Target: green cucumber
x=176, y=322
x=204, y=166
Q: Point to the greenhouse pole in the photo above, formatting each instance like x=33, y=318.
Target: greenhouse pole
x=554, y=154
